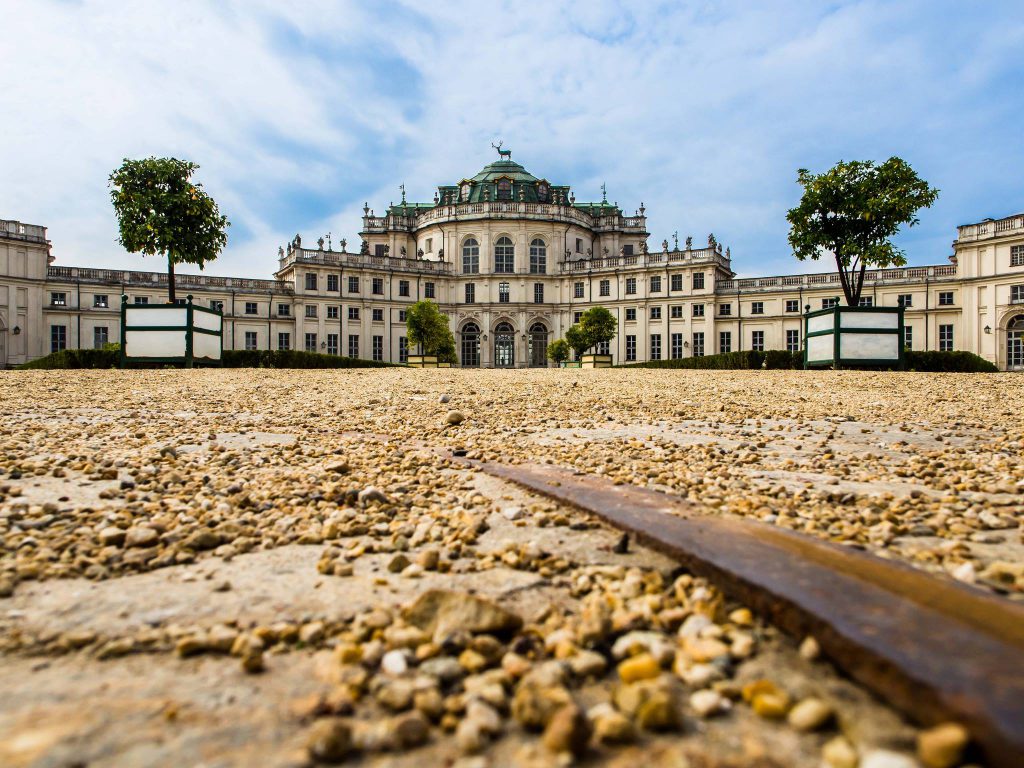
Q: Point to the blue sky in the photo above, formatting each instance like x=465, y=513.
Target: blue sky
x=299, y=112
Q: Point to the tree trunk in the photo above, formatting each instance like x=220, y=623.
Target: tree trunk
x=859, y=288
x=844, y=279
x=170, y=277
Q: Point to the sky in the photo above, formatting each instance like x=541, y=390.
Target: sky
x=298, y=112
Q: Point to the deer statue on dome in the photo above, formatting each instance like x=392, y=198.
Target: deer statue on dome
x=503, y=154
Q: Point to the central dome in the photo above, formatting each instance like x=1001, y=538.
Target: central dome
x=508, y=169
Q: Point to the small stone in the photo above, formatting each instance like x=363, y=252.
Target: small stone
x=444, y=398
x=439, y=611
x=190, y=646
x=252, y=662
x=943, y=745
x=640, y=667
x=809, y=714
x=410, y=730
x=112, y=536
x=312, y=633
x=200, y=541
x=428, y=559
x=454, y=418
x=707, y=703
x=394, y=663
x=839, y=753
x=568, y=731
x=371, y=494
x=883, y=758
x=809, y=648
x=611, y=726
x=587, y=664
x=330, y=740
x=742, y=617
x=535, y=704
x=398, y=563
x=141, y=536
x=513, y=513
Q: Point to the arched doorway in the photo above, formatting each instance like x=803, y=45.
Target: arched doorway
x=470, y=337
x=538, y=346
x=504, y=346
x=3, y=343
x=1015, y=344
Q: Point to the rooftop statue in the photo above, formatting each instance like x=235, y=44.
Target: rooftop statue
x=503, y=154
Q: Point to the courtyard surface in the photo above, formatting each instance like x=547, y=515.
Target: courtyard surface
x=249, y=567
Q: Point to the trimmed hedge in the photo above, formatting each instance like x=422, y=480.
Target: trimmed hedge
x=293, y=358
x=76, y=358
x=947, y=362
x=915, y=360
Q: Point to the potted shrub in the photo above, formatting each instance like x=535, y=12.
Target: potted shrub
x=428, y=329
x=598, y=326
x=577, y=342
x=558, y=352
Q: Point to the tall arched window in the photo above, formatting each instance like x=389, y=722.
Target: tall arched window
x=538, y=257
x=538, y=350
x=1015, y=343
x=470, y=257
x=504, y=256
x=470, y=345
x=504, y=345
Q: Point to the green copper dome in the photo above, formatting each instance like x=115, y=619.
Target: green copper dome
x=505, y=169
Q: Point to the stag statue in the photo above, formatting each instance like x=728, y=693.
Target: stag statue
x=503, y=154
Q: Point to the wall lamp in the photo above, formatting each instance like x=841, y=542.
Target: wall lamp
x=988, y=329
x=16, y=330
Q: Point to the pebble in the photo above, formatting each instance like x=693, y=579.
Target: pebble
x=330, y=740
x=883, y=758
x=394, y=663
x=611, y=726
x=640, y=667
x=839, y=753
x=707, y=703
x=568, y=731
x=438, y=611
x=809, y=714
x=454, y=418
x=141, y=536
x=943, y=745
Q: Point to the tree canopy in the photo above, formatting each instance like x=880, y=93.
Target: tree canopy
x=852, y=210
x=558, y=351
x=599, y=325
x=577, y=339
x=428, y=328
x=161, y=211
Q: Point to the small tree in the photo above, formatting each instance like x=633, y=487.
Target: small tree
x=160, y=210
x=852, y=210
x=598, y=325
x=428, y=329
x=558, y=351
x=577, y=339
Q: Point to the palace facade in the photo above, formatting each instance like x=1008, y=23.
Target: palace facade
x=513, y=260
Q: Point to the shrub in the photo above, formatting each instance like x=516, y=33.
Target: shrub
x=947, y=362
x=558, y=351
x=775, y=358
x=76, y=358
x=292, y=358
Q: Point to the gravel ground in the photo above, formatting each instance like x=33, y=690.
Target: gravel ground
x=231, y=567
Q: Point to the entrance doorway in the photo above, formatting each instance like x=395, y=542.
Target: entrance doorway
x=504, y=346
x=1015, y=344
x=538, y=346
x=470, y=346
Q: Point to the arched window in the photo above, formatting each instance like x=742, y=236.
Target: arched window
x=470, y=257
x=538, y=351
x=1015, y=343
x=504, y=256
x=538, y=257
x=504, y=345
x=470, y=345
x=504, y=189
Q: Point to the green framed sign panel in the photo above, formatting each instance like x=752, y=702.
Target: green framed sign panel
x=841, y=336
x=182, y=334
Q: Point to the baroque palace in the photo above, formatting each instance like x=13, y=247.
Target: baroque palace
x=513, y=260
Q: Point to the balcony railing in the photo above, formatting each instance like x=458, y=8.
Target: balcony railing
x=502, y=209
x=345, y=259
x=697, y=256
x=817, y=280
x=991, y=228
x=159, y=279
x=16, y=230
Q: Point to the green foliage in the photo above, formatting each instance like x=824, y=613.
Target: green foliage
x=292, y=358
x=558, y=351
x=76, y=358
x=852, y=210
x=775, y=358
x=598, y=325
x=577, y=339
x=161, y=211
x=428, y=327
x=950, y=362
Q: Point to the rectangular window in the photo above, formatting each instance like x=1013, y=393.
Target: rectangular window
x=676, y=311
x=577, y=290
x=58, y=338
x=377, y=315
x=698, y=344
x=181, y=302
x=724, y=310
x=504, y=258
x=251, y=309
x=757, y=307
x=1017, y=294
x=698, y=281
x=627, y=250
x=251, y=340
x=792, y=305
x=217, y=305
x=655, y=346
x=142, y=300
x=332, y=343
x=946, y=299
x=630, y=348
x=310, y=310
x=905, y=300
x=428, y=290
x=698, y=310
x=332, y=313
x=378, y=348
x=655, y=283
x=630, y=314
x=311, y=342
x=402, y=315
x=378, y=286
x=908, y=337
x=284, y=310
x=538, y=293
x=757, y=341
x=946, y=338
x=353, y=313
x=538, y=257
x=403, y=287
x=676, y=282
x=429, y=245
x=866, y=301
x=380, y=249
x=677, y=346
x=724, y=342
x=503, y=293
x=470, y=293
x=311, y=281
x=655, y=313
x=284, y=341
x=829, y=303
x=100, y=336
x=403, y=347
x=579, y=245
x=630, y=286
x=100, y=301
x=353, y=284
x=792, y=341
x=333, y=284
x=576, y=316
x=353, y=345
x=1017, y=255
x=58, y=299
x=605, y=287
x=471, y=257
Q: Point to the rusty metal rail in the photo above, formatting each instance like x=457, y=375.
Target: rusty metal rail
x=931, y=647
